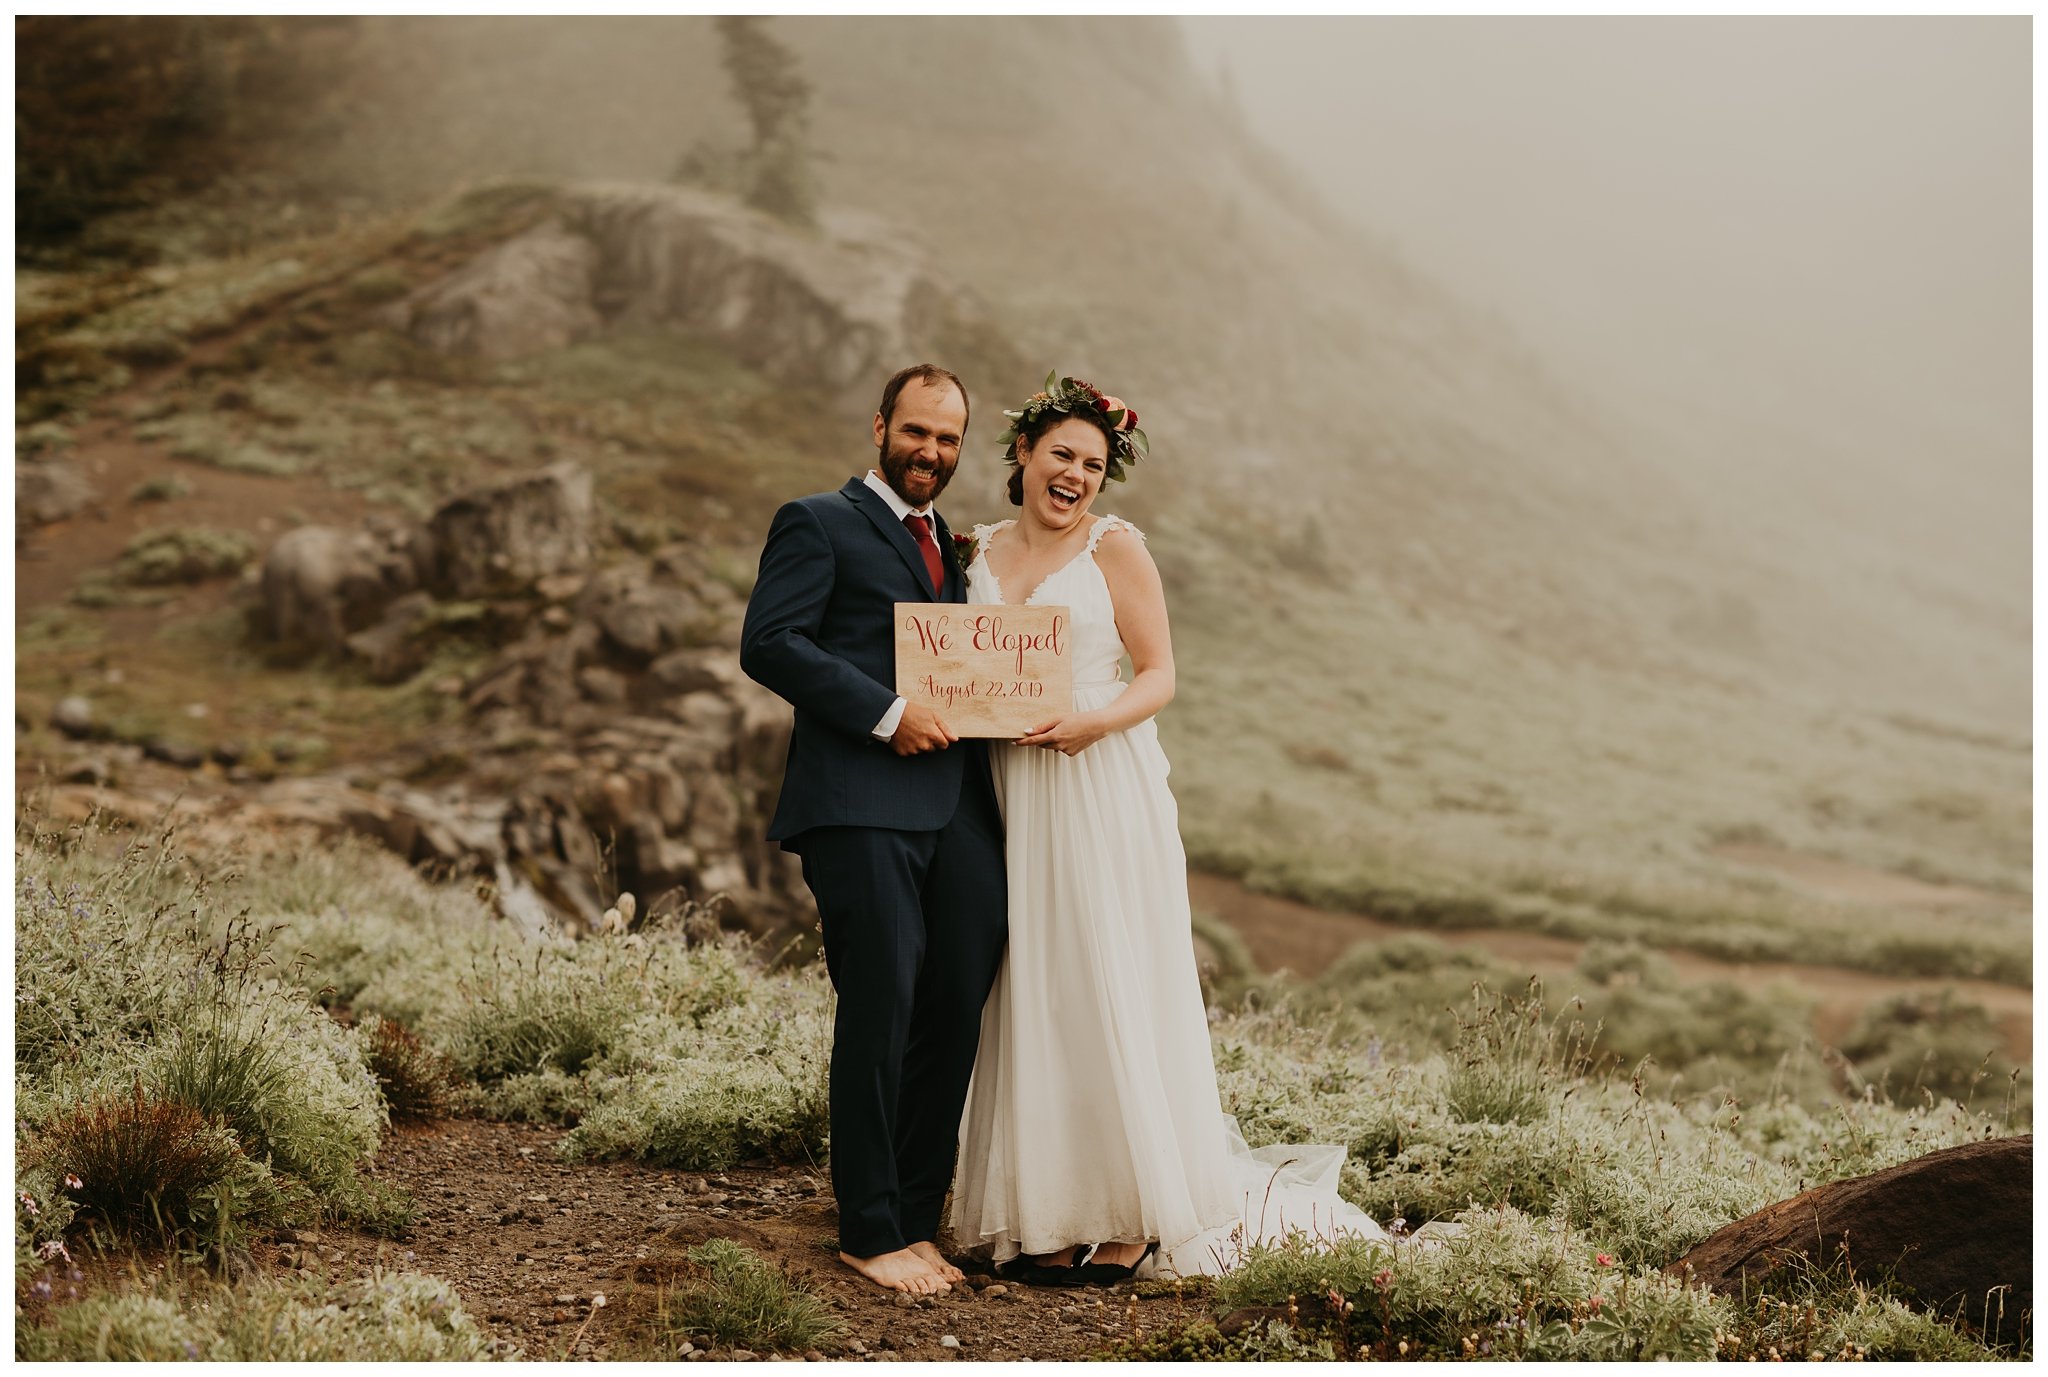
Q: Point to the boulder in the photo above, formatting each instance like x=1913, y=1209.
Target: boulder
x=322, y=584
x=1953, y=1230
x=648, y=608
x=833, y=308
x=48, y=491
x=504, y=537
x=395, y=649
x=73, y=716
x=530, y=293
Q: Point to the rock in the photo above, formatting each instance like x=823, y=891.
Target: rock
x=505, y=536
x=229, y=753
x=948, y=1341
x=691, y=671
x=530, y=293
x=73, y=716
x=394, y=649
x=744, y=1355
x=48, y=491
x=88, y=771
x=995, y=1291
x=321, y=584
x=1950, y=1229
x=903, y=1300
x=601, y=685
x=182, y=754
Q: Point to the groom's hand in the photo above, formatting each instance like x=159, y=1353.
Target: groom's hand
x=921, y=730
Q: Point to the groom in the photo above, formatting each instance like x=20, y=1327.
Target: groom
x=895, y=820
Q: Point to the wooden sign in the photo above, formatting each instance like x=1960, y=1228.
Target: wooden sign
x=987, y=669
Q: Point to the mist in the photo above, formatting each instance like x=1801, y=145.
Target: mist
x=1791, y=253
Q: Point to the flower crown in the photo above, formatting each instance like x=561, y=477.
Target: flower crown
x=1127, y=443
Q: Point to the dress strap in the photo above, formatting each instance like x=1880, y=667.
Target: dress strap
x=1105, y=526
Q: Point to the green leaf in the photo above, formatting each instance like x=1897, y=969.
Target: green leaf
x=1141, y=444
x=1052, y=381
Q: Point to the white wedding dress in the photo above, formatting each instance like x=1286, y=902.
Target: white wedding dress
x=1093, y=1115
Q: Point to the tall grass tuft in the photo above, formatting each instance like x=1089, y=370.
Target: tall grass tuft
x=138, y=1163
x=738, y=1297
x=415, y=1079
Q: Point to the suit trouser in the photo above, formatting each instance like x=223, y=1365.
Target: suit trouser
x=915, y=924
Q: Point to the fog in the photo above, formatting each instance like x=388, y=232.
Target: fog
x=1760, y=241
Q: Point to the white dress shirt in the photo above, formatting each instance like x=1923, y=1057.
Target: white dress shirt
x=886, y=728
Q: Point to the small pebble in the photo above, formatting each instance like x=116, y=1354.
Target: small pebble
x=905, y=1301
x=997, y=1290
x=948, y=1341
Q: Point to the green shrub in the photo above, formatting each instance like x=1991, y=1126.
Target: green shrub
x=1507, y=1285
x=385, y=1317
x=183, y=554
x=742, y=1299
x=1939, y=1042
x=163, y=488
x=129, y=973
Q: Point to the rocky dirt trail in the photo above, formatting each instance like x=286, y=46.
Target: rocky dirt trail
x=530, y=1241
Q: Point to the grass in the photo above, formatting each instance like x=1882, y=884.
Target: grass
x=144, y=1007
x=673, y=1045
x=183, y=1317
x=734, y=1297
x=183, y=554
x=1437, y=767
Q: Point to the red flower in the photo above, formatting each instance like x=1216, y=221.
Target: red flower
x=1604, y=1259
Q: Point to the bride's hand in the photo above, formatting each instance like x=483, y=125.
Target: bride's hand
x=1070, y=734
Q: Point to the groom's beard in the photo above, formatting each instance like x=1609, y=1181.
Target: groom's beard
x=896, y=472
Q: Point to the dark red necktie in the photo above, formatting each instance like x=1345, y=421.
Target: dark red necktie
x=921, y=532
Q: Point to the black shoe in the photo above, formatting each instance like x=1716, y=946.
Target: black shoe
x=1110, y=1273
x=1030, y=1273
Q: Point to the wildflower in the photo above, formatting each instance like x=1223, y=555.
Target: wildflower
x=191, y=1350
x=1595, y=1304
x=1404, y=1346
x=597, y=1301
x=28, y=1202
x=1604, y=1259
x=72, y=1183
x=52, y=1248
x=1383, y=1278
x=41, y=1289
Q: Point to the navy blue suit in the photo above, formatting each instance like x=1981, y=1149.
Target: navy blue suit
x=904, y=855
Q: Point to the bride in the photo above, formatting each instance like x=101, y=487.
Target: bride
x=1093, y=1142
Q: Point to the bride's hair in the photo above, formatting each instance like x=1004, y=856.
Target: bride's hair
x=1033, y=428
x=1064, y=399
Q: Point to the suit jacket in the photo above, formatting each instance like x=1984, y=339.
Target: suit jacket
x=820, y=633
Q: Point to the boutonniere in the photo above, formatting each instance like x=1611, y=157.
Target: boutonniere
x=965, y=548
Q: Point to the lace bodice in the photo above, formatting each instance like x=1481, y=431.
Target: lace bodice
x=1079, y=586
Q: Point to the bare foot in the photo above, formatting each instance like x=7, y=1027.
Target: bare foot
x=901, y=1270
x=936, y=1260
x=1119, y=1254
